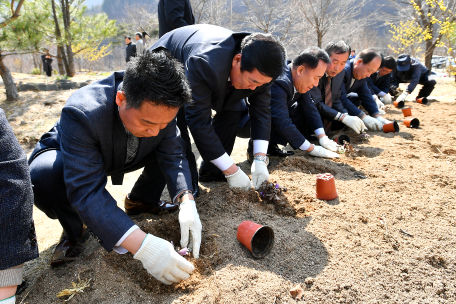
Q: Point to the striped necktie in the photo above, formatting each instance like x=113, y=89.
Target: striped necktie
x=328, y=102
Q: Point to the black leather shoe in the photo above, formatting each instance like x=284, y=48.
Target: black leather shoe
x=211, y=176
x=67, y=250
x=196, y=189
x=138, y=206
x=274, y=150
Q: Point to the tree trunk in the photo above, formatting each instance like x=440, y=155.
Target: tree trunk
x=8, y=81
x=65, y=6
x=61, y=59
x=428, y=54
x=319, y=38
x=70, y=71
x=60, y=63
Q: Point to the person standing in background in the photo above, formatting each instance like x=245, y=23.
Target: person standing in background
x=173, y=14
x=47, y=63
x=130, y=49
x=140, y=45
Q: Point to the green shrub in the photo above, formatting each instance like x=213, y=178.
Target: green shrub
x=36, y=71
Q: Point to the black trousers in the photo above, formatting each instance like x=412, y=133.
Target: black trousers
x=50, y=192
x=182, y=124
x=428, y=86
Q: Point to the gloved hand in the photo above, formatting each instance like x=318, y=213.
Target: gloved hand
x=190, y=222
x=239, y=180
x=372, y=123
x=322, y=152
x=160, y=259
x=355, y=123
x=402, y=97
x=260, y=173
x=328, y=143
x=383, y=120
x=380, y=104
x=387, y=99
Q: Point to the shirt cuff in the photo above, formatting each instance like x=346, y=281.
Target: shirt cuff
x=319, y=131
x=119, y=249
x=305, y=145
x=223, y=162
x=260, y=146
x=381, y=94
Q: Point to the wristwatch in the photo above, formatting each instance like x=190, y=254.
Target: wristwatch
x=262, y=158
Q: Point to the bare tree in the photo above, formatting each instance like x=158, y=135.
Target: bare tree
x=199, y=9
x=141, y=16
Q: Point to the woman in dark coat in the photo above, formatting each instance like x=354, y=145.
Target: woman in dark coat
x=17, y=231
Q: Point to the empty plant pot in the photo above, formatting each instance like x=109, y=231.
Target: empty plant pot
x=391, y=127
x=412, y=123
x=257, y=238
x=407, y=112
x=398, y=104
x=422, y=100
x=340, y=139
x=326, y=187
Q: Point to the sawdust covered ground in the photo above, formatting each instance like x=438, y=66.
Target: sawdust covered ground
x=390, y=237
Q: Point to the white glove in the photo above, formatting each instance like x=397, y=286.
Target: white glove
x=372, y=123
x=355, y=123
x=322, y=152
x=380, y=104
x=328, y=144
x=387, y=99
x=160, y=259
x=190, y=222
x=259, y=173
x=239, y=180
x=383, y=120
x=402, y=97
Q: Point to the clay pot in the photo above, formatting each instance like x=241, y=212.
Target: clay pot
x=398, y=104
x=257, y=238
x=407, y=112
x=412, y=123
x=422, y=100
x=391, y=127
x=326, y=187
x=340, y=139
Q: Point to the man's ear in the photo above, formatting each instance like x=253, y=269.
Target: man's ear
x=236, y=60
x=358, y=62
x=120, y=98
x=300, y=70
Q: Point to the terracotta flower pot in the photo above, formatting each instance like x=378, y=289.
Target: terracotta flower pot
x=422, y=100
x=398, y=104
x=412, y=123
x=391, y=127
x=326, y=187
x=340, y=139
x=257, y=238
x=407, y=112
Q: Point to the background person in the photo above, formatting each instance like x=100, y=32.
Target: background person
x=173, y=14
x=130, y=49
x=380, y=81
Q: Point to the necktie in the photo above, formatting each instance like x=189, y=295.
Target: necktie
x=328, y=102
x=132, y=147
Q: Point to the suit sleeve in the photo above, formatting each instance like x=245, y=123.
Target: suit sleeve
x=325, y=111
x=310, y=111
x=351, y=108
x=385, y=85
x=174, y=12
x=415, y=77
x=367, y=101
x=394, y=79
x=281, y=117
x=260, y=113
x=201, y=75
x=171, y=159
x=85, y=179
x=372, y=88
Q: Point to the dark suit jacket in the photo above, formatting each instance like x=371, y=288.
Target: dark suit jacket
x=17, y=238
x=173, y=14
x=359, y=87
x=130, y=51
x=377, y=83
x=207, y=52
x=339, y=98
x=412, y=76
x=93, y=142
x=283, y=97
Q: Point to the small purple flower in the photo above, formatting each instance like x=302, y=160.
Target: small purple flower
x=262, y=194
x=183, y=251
x=277, y=186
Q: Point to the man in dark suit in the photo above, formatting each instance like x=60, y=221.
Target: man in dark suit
x=330, y=97
x=130, y=49
x=223, y=68
x=379, y=82
x=120, y=124
x=357, y=71
x=410, y=70
x=17, y=238
x=173, y=14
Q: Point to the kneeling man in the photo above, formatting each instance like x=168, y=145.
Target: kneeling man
x=116, y=125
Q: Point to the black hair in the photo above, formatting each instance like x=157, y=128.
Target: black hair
x=368, y=55
x=337, y=47
x=310, y=58
x=127, y=37
x=353, y=51
x=158, y=78
x=138, y=34
x=389, y=62
x=264, y=53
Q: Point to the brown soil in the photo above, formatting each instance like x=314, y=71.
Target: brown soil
x=390, y=236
